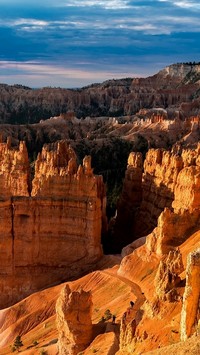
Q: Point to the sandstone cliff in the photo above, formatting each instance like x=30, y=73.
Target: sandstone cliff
x=168, y=189
x=175, y=224
x=55, y=233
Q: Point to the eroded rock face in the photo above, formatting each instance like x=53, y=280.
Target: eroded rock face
x=172, y=86
x=14, y=171
x=172, y=230
x=167, y=195
x=167, y=277
x=175, y=224
x=127, y=328
x=161, y=169
x=177, y=229
x=74, y=324
x=190, y=314
x=55, y=233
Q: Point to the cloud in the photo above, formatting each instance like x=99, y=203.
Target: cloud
x=43, y=73
x=162, y=24
x=187, y=5
x=93, y=40
x=29, y=21
x=151, y=21
x=106, y=4
x=184, y=4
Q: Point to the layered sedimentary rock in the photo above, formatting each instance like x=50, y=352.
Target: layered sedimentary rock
x=169, y=88
x=14, y=170
x=167, y=195
x=175, y=224
x=163, y=259
x=55, y=233
x=190, y=314
x=161, y=169
x=74, y=324
x=167, y=277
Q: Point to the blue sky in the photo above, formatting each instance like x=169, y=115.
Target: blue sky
x=72, y=43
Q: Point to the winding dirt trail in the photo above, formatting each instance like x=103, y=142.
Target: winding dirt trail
x=135, y=288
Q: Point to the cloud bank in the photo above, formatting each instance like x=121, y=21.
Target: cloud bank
x=76, y=42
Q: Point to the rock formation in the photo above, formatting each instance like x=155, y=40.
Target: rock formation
x=174, y=225
x=190, y=314
x=167, y=278
x=161, y=169
x=153, y=275
x=14, y=170
x=162, y=258
x=168, y=89
x=167, y=192
x=73, y=310
x=128, y=327
x=53, y=234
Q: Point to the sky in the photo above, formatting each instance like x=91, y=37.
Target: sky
x=73, y=43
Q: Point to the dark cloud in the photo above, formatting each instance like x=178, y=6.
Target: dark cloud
x=94, y=37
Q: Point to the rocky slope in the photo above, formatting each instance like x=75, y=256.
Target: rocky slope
x=175, y=88
x=53, y=230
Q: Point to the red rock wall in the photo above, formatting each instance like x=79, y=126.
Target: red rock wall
x=56, y=233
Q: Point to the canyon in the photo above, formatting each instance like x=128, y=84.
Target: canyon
x=152, y=274
x=174, y=88
x=86, y=267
